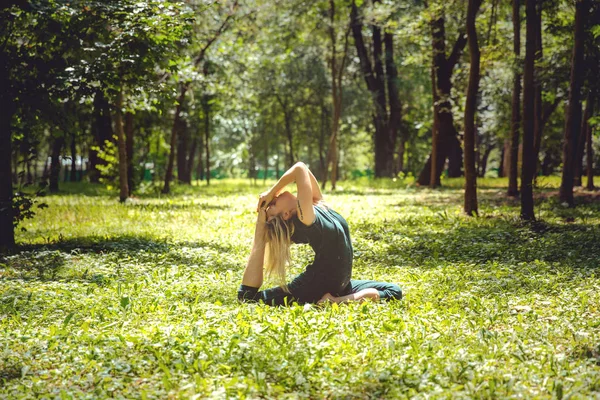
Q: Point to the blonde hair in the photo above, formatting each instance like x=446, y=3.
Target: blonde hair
x=277, y=255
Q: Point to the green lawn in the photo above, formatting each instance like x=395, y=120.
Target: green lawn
x=139, y=300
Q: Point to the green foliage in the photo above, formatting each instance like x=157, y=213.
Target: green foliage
x=139, y=299
x=23, y=205
x=109, y=169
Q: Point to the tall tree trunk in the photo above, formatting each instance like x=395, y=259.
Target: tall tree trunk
x=573, y=117
x=265, y=159
x=513, y=155
x=200, y=169
x=337, y=70
x=401, y=151
x=287, y=117
x=528, y=160
x=590, y=150
x=173, y=144
x=503, y=163
x=183, y=143
x=322, y=159
x=434, y=176
x=183, y=90
x=7, y=234
x=447, y=143
x=190, y=161
x=484, y=161
x=73, y=176
x=374, y=78
x=470, y=205
x=538, y=105
x=57, y=145
x=395, y=114
x=589, y=105
x=129, y=138
x=123, y=186
x=206, y=110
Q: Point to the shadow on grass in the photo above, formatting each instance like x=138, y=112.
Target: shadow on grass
x=45, y=261
x=177, y=206
x=493, y=257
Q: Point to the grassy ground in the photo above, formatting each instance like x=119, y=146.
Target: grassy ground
x=139, y=300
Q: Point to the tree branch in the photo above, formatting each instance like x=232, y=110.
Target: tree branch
x=222, y=28
x=459, y=45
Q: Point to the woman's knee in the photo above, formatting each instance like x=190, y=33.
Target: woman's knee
x=393, y=292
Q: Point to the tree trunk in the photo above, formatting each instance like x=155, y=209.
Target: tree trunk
x=57, y=145
x=322, y=159
x=173, y=143
x=206, y=110
x=190, y=161
x=470, y=205
x=336, y=94
x=129, y=133
x=502, y=166
x=513, y=154
x=374, y=78
x=183, y=143
x=582, y=140
x=447, y=143
x=434, y=176
x=290, y=138
x=73, y=175
x=395, y=113
x=538, y=106
x=401, y=151
x=573, y=117
x=7, y=234
x=528, y=160
x=123, y=186
x=200, y=169
x=590, y=150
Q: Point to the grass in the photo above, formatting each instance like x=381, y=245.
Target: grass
x=138, y=300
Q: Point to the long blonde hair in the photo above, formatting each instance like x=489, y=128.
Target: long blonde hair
x=277, y=255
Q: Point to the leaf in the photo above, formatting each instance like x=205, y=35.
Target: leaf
x=68, y=319
x=125, y=301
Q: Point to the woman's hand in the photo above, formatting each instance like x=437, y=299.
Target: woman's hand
x=328, y=298
x=264, y=199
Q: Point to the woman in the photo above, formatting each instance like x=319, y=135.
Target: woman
x=284, y=219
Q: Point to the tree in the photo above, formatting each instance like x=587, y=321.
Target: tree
x=513, y=154
x=527, y=157
x=337, y=72
x=447, y=145
x=386, y=114
x=185, y=86
x=470, y=205
x=7, y=109
x=573, y=114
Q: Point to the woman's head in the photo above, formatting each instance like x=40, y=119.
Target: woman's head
x=283, y=205
x=277, y=256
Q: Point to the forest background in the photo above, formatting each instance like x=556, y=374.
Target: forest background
x=129, y=92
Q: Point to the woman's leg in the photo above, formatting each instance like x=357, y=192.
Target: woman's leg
x=273, y=297
x=359, y=290
x=305, y=288
x=386, y=290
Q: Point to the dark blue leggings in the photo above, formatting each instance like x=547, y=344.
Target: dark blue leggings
x=303, y=293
